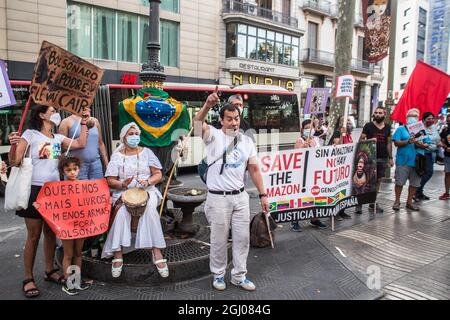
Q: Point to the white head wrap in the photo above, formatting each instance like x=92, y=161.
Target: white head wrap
x=123, y=133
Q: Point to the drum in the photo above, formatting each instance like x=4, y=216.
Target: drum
x=135, y=200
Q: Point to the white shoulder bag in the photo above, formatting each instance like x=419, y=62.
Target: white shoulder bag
x=18, y=188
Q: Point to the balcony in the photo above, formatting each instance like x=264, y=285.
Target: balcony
x=318, y=57
x=319, y=7
x=251, y=10
x=362, y=66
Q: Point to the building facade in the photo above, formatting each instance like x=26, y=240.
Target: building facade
x=283, y=43
x=410, y=43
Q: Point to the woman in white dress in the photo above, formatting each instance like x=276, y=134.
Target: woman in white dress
x=132, y=166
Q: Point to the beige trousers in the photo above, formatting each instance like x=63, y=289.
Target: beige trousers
x=221, y=211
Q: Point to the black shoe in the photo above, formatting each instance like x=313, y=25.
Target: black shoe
x=378, y=210
x=295, y=226
x=318, y=224
x=344, y=215
x=84, y=285
x=358, y=210
x=424, y=197
x=70, y=292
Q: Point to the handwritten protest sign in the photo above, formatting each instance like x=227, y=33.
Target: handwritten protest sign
x=344, y=86
x=316, y=100
x=319, y=182
x=6, y=95
x=75, y=209
x=63, y=80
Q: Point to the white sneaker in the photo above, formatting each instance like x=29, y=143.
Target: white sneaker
x=219, y=284
x=245, y=284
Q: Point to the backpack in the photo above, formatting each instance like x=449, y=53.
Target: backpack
x=259, y=235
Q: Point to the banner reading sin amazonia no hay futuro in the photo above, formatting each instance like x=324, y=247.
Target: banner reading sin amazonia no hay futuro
x=319, y=182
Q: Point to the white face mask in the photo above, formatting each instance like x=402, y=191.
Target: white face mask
x=55, y=118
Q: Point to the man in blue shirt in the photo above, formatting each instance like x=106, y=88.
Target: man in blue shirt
x=405, y=162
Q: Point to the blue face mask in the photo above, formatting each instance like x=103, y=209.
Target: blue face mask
x=411, y=120
x=133, y=141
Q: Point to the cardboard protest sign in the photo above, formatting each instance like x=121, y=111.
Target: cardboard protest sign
x=75, y=209
x=63, y=80
x=416, y=129
x=6, y=95
x=316, y=100
x=319, y=182
x=344, y=86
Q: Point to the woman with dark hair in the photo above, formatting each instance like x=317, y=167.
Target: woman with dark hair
x=45, y=149
x=433, y=140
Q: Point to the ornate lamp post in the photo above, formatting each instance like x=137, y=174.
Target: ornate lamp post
x=152, y=73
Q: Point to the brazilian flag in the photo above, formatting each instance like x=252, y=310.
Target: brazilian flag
x=156, y=114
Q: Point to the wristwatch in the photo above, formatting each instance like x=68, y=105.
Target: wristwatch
x=261, y=195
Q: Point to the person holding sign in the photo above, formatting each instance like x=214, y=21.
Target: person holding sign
x=45, y=149
x=405, y=161
x=132, y=167
x=379, y=131
x=433, y=140
x=69, y=167
x=229, y=154
x=307, y=141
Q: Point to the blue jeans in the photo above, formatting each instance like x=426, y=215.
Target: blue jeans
x=429, y=168
x=91, y=170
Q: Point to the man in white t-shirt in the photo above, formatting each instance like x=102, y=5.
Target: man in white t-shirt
x=229, y=153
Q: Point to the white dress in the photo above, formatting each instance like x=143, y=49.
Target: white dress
x=149, y=232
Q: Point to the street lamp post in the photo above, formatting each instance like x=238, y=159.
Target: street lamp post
x=152, y=73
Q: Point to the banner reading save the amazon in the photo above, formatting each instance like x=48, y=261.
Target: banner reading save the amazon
x=319, y=182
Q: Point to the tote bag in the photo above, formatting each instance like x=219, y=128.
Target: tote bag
x=18, y=188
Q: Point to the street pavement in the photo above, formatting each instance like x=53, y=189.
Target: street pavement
x=384, y=256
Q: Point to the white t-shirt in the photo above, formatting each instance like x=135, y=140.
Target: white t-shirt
x=232, y=177
x=127, y=166
x=45, y=152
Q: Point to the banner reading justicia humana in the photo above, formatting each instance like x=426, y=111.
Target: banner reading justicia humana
x=319, y=182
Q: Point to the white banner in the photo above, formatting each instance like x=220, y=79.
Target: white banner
x=319, y=182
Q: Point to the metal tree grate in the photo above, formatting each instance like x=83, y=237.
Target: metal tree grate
x=186, y=250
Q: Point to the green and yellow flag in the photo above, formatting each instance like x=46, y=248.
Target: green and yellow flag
x=156, y=114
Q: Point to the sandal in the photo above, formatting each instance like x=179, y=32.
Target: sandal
x=412, y=207
x=48, y=277
x=396, y=206
x=30, y=293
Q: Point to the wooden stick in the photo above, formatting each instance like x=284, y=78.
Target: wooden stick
x=268, y=229
x=73, y=136
x=171, y=173
x=332, y=223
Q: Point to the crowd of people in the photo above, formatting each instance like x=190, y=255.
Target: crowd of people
x=227, y=205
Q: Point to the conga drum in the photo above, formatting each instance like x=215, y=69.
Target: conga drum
x=135, y=200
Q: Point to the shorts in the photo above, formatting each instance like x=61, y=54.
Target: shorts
x=381, y=168
x=447, y=164
x=31, y=211
x=403, y=173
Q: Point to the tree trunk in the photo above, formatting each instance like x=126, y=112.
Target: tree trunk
x=343, y=57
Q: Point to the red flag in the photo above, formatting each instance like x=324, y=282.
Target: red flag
x=426, y=90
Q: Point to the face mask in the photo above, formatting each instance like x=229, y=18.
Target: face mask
x=307, y=132
x=411, y=120
x=133, y=141
x=55, y=118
